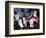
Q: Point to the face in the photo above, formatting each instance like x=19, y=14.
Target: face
x=32, y=21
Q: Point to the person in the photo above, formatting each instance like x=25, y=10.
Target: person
x=34, y=21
